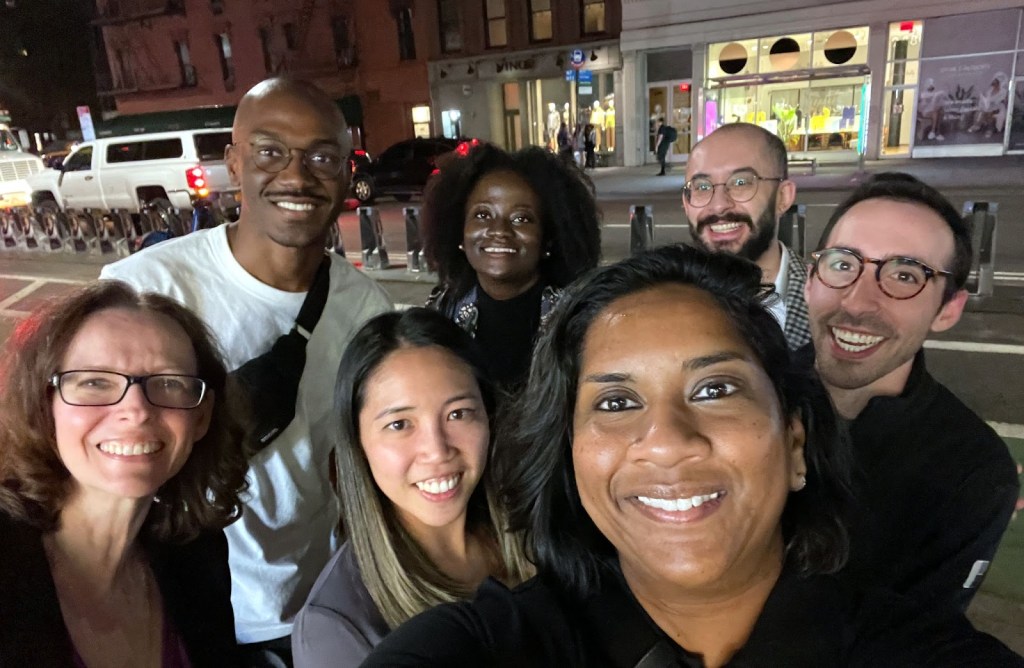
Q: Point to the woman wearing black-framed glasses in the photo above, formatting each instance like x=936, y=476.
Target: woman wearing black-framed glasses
x=119, y=468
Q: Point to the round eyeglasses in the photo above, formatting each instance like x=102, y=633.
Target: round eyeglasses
x=323, y=162
x=106, y=388
x=897, y=277
x=740, y=187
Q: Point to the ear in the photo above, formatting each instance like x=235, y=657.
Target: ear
x=231, y=159
x=203, y=415
x=950, y=312
x=796, y=438
x=785, y=197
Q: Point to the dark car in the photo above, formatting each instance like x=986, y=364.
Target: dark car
x=402, y=170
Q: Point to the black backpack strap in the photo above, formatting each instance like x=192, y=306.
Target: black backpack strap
x=316, y=299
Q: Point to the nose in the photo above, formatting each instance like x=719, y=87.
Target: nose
x=672, y=435
x=499, y=226
x=864, y=295
x=433, y=444
x=296, y=170
x=134, y=405
x=721, y=200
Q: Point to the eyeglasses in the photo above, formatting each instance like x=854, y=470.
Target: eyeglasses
x=897, y=277
x=740, y=187
x=323, y=162
x=106, y=388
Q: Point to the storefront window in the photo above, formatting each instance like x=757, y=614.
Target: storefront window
x=672, y=103
x=898, y=121
x=733, y=58
x=847, y=46
x=781, y=54
x=451, y=123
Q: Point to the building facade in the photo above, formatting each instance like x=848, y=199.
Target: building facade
x=835, y=80
x=512, y=72
x=168, y=55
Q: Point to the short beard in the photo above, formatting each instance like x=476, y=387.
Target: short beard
x=763, y=233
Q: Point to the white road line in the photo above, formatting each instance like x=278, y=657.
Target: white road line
x=21, y=294
x=18, y=315
x=1007, y=430
x=25, y=277
x=975, y=347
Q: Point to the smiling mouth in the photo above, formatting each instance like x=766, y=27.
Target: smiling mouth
x=123, y=449
x=296, y=206
x=440, y=485
x=725, y=227
x=500, y=250
x=854, y=342
x=681, y=504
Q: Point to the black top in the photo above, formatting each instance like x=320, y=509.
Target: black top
x=505, y=333
x=935, y=489
x=194, y=582
x=805, y=622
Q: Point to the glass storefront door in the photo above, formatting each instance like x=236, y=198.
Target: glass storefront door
x=673, y=103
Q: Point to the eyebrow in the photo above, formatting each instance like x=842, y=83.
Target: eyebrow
x=267, y=134
x=692, y=364
x=702, y=175
x=392, y=410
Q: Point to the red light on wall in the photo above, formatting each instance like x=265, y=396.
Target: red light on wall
x=906, y=26
x=684, y=87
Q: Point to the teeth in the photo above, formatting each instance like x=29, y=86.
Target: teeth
x=129, y=449
x=854, y=342
x=440, y=485
x=511, y=251
x=675, y=505
x=721, y=228
x=296, y=206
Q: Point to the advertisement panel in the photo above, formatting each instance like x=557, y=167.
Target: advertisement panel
x=963, y=100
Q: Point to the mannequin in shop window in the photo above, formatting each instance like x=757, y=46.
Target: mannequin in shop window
x=553, y=122
x=505, y=232
x=597, y=121
x=609, y=125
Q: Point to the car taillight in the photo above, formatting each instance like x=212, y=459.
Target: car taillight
x=198, y=181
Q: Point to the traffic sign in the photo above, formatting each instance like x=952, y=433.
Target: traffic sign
x=577, y=58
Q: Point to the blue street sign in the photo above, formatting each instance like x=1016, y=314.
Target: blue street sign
x=577, y=57
x=570, y=75
x=586, y=76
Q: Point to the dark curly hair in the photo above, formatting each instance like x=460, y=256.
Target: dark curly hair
x=34, y=483
x=535, y=445
x=570, y=217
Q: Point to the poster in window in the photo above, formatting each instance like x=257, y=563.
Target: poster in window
x=963, y=100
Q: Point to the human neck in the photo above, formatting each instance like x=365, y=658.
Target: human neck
x=97, y=536
x=501, y=291
x=281, y=267
x=849, y=402
x=713, y=624
x=456, y=552
x=770, y=261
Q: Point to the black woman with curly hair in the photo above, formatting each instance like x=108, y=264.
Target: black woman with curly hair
x=505, y=233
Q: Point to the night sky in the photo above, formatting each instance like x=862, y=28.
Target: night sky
x=46, y=63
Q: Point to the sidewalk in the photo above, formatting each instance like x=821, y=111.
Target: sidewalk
x=995, y=172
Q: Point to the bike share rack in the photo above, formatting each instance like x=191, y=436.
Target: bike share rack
x=641, y=227
x=981, y=217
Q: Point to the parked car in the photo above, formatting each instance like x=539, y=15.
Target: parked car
x=16, y=167
x=402, y=170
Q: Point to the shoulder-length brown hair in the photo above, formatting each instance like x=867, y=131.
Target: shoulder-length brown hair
x=34, y=483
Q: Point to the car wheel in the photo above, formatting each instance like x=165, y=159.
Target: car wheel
x=362, y=188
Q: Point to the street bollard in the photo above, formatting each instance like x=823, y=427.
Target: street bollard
x=981, y=216
x=415, y=261
x=793, y=229
x=334, y=241
x=371, y=234
x=641, y=227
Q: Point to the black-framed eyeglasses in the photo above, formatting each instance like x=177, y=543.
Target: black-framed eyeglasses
x=897, y=277
x=272, y=156
x=86, y=387
x=741, y=187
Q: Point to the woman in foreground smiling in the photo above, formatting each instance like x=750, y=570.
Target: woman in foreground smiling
x=680, y=482
x=119, y=468
x=420, y=516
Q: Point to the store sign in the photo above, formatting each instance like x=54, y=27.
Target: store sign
x=515, y=65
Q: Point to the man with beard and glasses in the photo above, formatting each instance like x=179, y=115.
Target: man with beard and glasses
x=737, y=187
x=936, y=485
x=247, y=281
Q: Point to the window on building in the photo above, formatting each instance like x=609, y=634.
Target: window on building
x=593, y=16
x=540, y=20
x=266, y=42
x=227, y=66
x=188, y=71
x=497, y=32
x=344, y=54
x=451, y=25
x=421, y=121
x=290, y=36
x=217, y=6
x=406, y=38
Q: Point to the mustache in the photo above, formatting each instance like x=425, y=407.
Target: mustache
x=866, y=322
x=728, y=217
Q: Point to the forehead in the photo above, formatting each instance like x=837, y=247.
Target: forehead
x=722, y=153
x=291, y=117
x=414, y=365
x=131, y=336
x=883, y=227
x=502, y=181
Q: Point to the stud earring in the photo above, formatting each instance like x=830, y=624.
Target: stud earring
x=547, y=253
x=803, y=482
x=461, y=248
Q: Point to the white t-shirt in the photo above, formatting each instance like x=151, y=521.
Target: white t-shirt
x=778, y=306
x=288, y=530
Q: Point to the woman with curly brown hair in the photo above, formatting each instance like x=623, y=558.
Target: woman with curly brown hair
x=119, y=468
x=505, y=233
